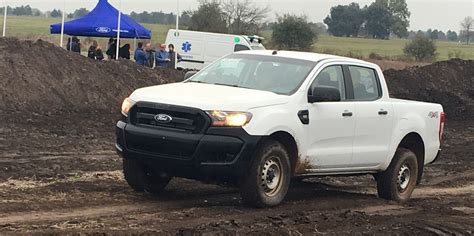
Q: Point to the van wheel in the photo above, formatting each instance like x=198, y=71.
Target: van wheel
x=141, y=179
x=268, y=179
x=399, y=180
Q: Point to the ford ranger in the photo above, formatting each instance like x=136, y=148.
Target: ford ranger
x=258, y=118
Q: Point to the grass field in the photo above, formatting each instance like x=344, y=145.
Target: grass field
x=38, y=27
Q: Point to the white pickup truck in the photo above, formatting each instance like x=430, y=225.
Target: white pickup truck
x=258, y=118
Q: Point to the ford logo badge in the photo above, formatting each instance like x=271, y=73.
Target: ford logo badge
x=103, y=30
x=163, y=118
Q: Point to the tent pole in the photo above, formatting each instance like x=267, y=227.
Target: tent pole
x=62, y=25
x=5, y=19
x=176, y=35
x=118, y=31
x=134, y=44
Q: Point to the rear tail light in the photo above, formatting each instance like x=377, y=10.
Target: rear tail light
x=441, y=126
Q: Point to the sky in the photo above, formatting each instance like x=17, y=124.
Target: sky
x=436, y=14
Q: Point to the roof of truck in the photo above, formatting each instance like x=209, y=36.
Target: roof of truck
x=309, y=56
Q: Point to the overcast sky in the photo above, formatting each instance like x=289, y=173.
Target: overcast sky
x=436, y=14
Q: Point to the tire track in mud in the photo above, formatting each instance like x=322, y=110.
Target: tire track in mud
x=180, y=205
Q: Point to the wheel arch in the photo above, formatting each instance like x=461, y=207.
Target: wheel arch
x=290, y=144
x=414, y=142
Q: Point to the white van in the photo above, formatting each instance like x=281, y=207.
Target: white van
x=199, y=49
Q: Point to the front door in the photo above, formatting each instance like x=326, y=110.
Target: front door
x=331, y=127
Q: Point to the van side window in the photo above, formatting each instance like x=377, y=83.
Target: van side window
x=365, y=83
x=239, y=47
x=331, y=76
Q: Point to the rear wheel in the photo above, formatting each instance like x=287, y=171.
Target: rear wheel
x=399, y=180
x=268, y=179
x=142, y=179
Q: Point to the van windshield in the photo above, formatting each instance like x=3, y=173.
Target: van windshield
x=257, y=47
x=267, y=73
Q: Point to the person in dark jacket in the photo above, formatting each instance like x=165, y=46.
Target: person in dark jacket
x=150, y=55
x=95, y=52
x=140, y=55
x=162, y=57
x=124, y=51
x=74, y=44
x=173, y=56
x=111, y=49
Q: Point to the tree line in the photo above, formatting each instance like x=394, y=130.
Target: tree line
x=379, y=20
x=27, y=10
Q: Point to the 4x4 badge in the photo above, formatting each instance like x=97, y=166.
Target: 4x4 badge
x=163, y=118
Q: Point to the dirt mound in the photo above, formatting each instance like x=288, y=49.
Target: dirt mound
x=41, y=77
x=450, y=83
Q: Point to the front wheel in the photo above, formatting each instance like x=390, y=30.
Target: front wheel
x=268, y=179
x=399, y=180
x=142, y=179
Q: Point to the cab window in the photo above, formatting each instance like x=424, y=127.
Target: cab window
x=239, y=47
x=331, y=76
x=365, y=83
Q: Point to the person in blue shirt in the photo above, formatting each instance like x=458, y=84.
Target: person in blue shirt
x=140, y=55
x=162, y=57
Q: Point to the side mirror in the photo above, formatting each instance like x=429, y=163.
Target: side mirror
x=189, y=74
x=324, y=94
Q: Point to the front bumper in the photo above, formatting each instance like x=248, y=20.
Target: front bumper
x=219, y=153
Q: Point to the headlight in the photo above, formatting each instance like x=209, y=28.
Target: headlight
x=229, y=118
x=126, y=105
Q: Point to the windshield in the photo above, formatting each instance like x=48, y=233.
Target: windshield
x=267, y=73
x=257, y=47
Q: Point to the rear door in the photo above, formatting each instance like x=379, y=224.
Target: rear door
x=373, y=115
x=331, y=125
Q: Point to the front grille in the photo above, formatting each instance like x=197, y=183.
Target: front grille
x=184, y=119
x=159, y=146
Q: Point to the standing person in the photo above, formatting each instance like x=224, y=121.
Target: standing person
x=124, y=51
x=150, y=55
x=173, y=56
x=75, y=45
x=162, y=57
x=140, y=55
x=68, y=45
x=111, y=49
x=95, y=52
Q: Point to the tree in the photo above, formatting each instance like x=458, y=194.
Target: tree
x=293, y=32
x=22, y=11
x=378, y=20
x=434, y=34
x=243, y=16
x=345, y=20
x=56, y=13
x=421, y=48
x=452, y=36
x=466, y=25
x=80, y=12
x=208, y=17
x=400, y=17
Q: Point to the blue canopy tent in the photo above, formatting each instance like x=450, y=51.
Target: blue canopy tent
x=102, y=22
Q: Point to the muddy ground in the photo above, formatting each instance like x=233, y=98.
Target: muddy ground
x=60, y=174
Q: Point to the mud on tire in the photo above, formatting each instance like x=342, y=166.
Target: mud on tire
x=141, y=179
x=399, y=180
x=268, y=179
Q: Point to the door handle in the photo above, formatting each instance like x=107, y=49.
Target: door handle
x=383, y=113
x=347, y=114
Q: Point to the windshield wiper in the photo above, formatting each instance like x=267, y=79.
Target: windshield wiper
x=230, y=85
x=196, y=81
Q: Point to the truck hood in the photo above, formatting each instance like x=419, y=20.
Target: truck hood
x=208, y=96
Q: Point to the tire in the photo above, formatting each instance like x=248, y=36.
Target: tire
x=399, y=180
x=268, y=179
x=141, y=179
